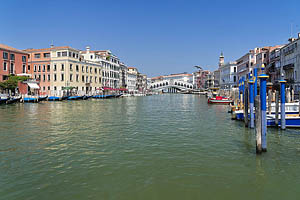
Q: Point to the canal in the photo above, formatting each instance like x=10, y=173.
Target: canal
x=155, y=147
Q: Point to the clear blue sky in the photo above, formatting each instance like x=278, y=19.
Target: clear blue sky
x=157, y=37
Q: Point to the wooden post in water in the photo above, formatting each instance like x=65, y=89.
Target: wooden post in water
x=258, y=124
x=282, y=103
x=276, y=107
x=269, y=101
x=246, y=105
x=293, y=94
x=263, y=102
x=251, y=100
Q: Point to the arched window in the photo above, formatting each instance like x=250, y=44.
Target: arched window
x=167, y=83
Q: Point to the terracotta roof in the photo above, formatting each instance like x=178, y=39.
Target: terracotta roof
x=48, y=49
x=5, y=47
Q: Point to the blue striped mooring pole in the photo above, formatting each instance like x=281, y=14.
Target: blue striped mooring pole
x=282, y=103
x=251, y=98
x=263, y=99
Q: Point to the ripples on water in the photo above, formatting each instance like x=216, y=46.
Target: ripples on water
x=157, y=147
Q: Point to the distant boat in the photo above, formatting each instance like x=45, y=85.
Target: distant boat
x=219, y=100
x=13, y=100
x=3, y=100
x=54, y=98
x=42, y=98
x=102, y=96
x=30, y=100
x=75, y=97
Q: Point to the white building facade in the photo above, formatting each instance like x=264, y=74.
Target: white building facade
x=228, y=75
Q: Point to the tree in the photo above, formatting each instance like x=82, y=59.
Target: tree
x=12, y=82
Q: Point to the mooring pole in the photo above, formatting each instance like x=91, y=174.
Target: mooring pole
x=282, y=99
x=246, y=105
x=258, y=124
x=251, y=99
x=276, y=107
x=255, y=81
x=263, y=98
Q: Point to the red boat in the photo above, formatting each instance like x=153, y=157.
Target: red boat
x=219, y=100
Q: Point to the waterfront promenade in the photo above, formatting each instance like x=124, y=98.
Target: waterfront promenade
x=170, y=146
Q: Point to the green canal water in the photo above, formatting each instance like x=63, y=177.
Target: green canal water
x=154, y=147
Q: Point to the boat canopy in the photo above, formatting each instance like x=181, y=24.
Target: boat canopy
x=33, y=85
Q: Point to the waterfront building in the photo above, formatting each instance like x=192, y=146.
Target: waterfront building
x=141, y=83
x=216, y=77
x=245, y=64
x=12, y=62
x=132, y=79
x=199, y=78
x=110, y=65
x=123, y=75
x=290, y=63
x=64, y=71
x=273, y=68
x=228, y=77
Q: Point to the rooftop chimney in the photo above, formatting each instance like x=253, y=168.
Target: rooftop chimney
x=88, y=49
x=51, y=45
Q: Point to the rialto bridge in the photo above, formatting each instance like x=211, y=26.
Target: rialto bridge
x=171, y=86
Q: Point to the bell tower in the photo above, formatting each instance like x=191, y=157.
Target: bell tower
x=221, y=60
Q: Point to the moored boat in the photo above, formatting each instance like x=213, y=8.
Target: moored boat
x=13, y=100
x=42, y=98
x=30, y=100
x=219, y=100
x=54, y=98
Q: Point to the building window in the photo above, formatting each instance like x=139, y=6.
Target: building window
x=91, y=78
x=91, y=69
x=87, y=79
x=95, y=79
x=5, y=55
x=64, y=53
x=12, y=56
x=44, y=68
x=82, y=68
x=39, y=77
x=82, y=78
x=44, y=88
x=54, y=87
x=70, y=54
x=71, y=77
x=99, y=80
x=48, y=87
x=28, y=67
x=58, y=54
x=62, y=77
x=48, y=68
x=62, y=67
x=95, y=70
x=77, y=78
x=4, y=66
x=87, y=69
x=46, y=55
x=34, y=68
x=37, y=55
x=44, y=77
x=39, y=68
x=77, y=68
x=54, y=67
x=24, y=68
x=23, y=58
x=48, y=77
x=55, y=78
x=71, y=68
x=91, y=56
x=82, y=88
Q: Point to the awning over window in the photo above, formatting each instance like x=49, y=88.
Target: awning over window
x=33, y=85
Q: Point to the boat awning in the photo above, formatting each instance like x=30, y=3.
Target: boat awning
x=33, y=85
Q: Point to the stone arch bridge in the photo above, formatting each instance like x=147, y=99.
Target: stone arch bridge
x=171, y=86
